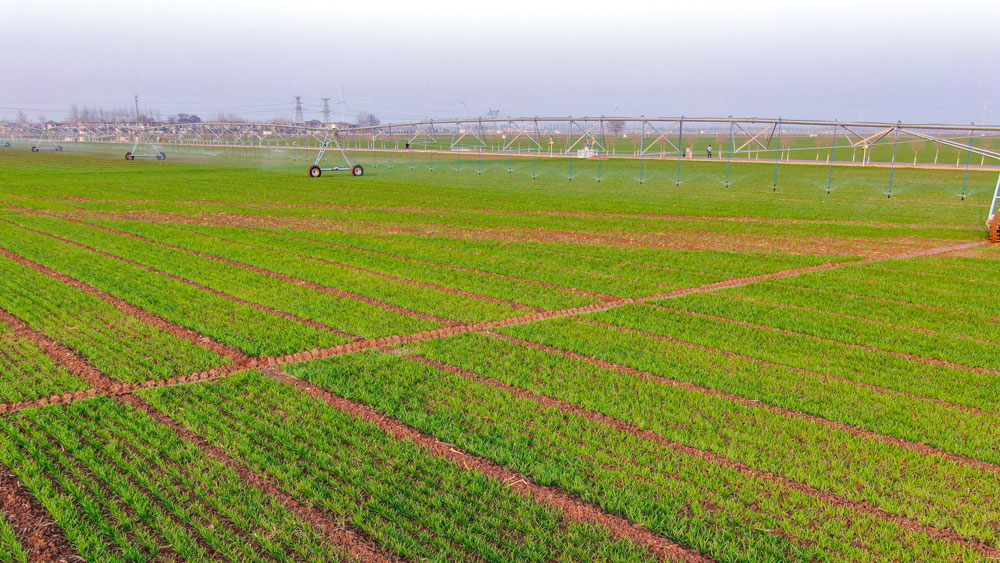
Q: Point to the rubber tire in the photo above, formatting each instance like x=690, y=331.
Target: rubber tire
x=357, y=170
x=315, y=171
x=129, y=156
x=995, y=230
x=34, y=149
x=58, y=148
x=161, y=156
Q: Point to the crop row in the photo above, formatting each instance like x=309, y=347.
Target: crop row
x=865, y=365
x=289, y=261
x=125, y=488
x=522, y=267
x=950, y=428
x=119, y=345
x=28, y=373
x=721, y=510
x=11, y=550
x=858, y=332
x=905, y=315
x=414, y=503
x=404, y=265
x=343, y=314
x=931, y=489
x=879, y=285
x=241, y=326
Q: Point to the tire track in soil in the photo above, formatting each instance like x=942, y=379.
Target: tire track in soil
x=141, y=314
x=265, y=308
x=383, y=275
x=819, y=375
x=43, y=539
x=570, y=505
x=873, y=349
x=909, y=524
x=352, y=541
x=269, y=273
x=753, y=403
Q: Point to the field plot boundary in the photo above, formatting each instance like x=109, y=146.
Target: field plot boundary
x=357, y=543
x=38, y=534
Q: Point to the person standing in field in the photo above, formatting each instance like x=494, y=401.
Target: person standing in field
x=709, y=151
x=687, y=152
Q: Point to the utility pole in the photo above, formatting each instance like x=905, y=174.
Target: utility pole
x=298, y=109
x=137, y=108
x=326, y=110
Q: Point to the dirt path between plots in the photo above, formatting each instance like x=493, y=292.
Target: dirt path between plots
x=568, y=504
x=43, y=539
x=352, y=541
x=693, y=240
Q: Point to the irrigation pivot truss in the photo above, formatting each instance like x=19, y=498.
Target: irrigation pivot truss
x=729, y=139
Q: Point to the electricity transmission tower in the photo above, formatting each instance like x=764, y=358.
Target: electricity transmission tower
x=298, y=109
x=326, y=110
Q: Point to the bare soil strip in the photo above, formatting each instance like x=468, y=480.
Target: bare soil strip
x=283, y=277
x=818, y=375
x=903, y=355
x=43, y=539
x=273, y=311
x=383, y=275
x=573, y=507
x=351, y=541
x=864, y=507
x=781, y=411
x=131, y=310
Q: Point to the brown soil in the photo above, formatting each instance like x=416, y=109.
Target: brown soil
x=41, y=537
x=571, y=506
x=351, y=541
x=863, y=507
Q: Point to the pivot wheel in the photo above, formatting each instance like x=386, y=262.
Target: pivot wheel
x=315, y=171
x=129, y=156
x=58, y=148
x=161, y=156
x=995, y=230
x=357, y=170
x=34, y=149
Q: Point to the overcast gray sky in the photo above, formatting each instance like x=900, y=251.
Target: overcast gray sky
x=845, y=59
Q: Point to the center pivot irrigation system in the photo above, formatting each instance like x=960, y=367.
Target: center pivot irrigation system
x=315, y=171
x=639, y=139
